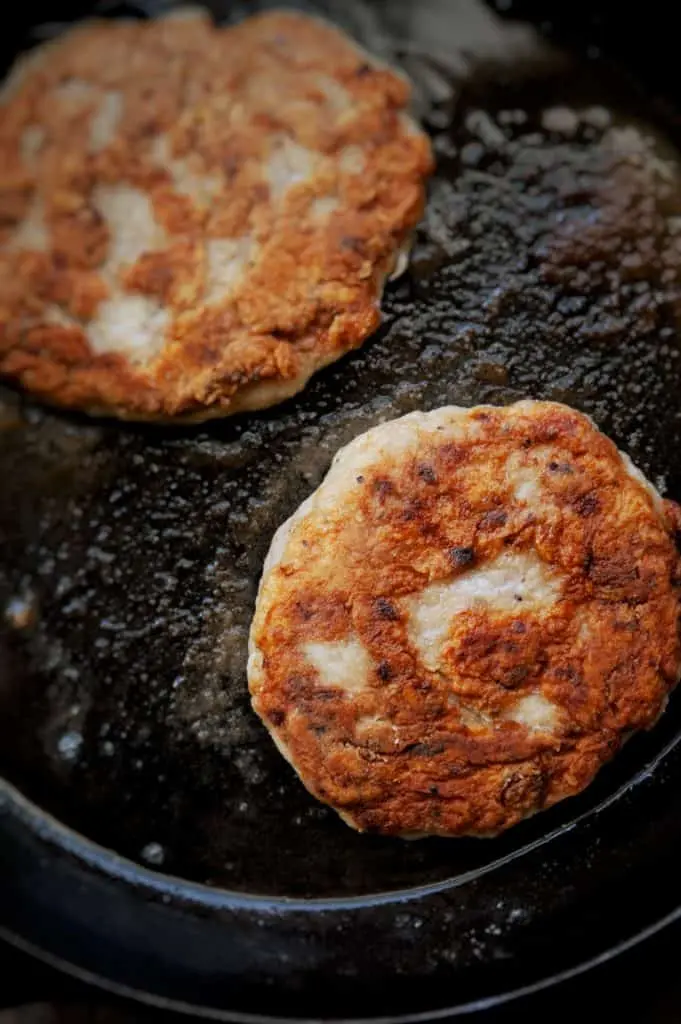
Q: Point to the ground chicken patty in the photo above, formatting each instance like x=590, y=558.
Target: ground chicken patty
x=467, y=619
x=194, y=219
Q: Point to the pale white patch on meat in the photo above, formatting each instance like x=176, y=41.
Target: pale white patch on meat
x=132, y=324
x=31, y=232
x=374, y=729
x=31, y=143
x=513, y=582
x=57, y=316
x=352, y=160
x=524, y=479
x=338, y=98
x=289, y=164
x=341, y=664
x=535, y=712
x=474, y=719
x=74, y=93
x=227, y=259
x=584, y=632
x=187, y=177
x=132, y=226
x=323, y=207
x=105, y=120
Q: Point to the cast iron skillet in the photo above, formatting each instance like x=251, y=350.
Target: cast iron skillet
x=130, y=557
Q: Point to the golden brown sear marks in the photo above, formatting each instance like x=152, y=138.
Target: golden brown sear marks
x=194, y=219
x=467, y=619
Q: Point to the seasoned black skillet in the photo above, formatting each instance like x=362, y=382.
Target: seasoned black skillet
x=130, y=558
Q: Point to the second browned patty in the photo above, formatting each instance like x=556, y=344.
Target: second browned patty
x=195, y=219
x=467, y=619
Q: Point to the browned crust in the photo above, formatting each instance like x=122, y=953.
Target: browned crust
x=607, y=654
x=313, y=292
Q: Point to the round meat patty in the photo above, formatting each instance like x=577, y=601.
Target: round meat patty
x=195, y=219
x=467, y=619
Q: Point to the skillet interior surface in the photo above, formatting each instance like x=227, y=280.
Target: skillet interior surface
x=548, y=266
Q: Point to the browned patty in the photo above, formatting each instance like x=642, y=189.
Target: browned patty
x=194, y=219
x=467, y=619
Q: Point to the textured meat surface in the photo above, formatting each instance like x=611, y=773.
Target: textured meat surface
x=467, y=619
x=194, y=219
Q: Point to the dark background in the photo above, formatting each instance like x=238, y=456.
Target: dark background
x=641, y=986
